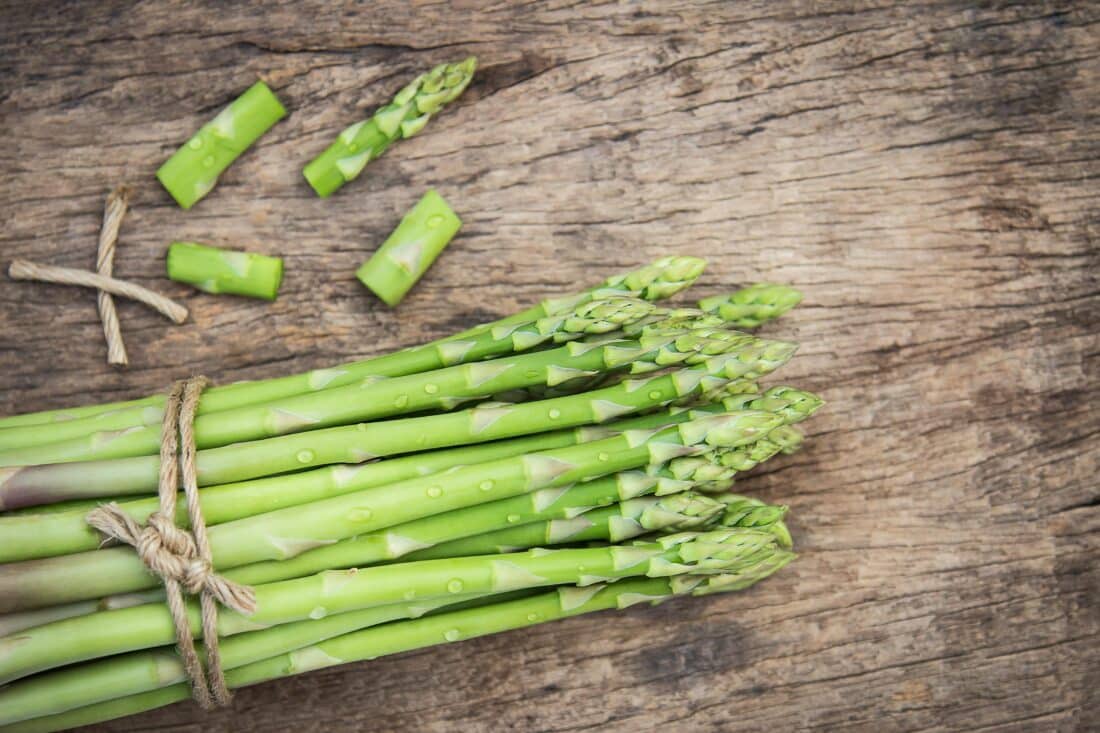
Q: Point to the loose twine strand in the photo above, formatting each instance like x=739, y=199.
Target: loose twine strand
x=103, y=280
x=182, y=559
x=117, y=203
x=26, y=270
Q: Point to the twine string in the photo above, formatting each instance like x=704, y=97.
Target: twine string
x=180, y=558
x=27, y=270
x=117, y=203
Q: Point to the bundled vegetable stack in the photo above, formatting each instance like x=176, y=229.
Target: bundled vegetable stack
x=571, y=458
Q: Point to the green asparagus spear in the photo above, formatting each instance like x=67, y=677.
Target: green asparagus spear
x=751, y=306
x=393, y=638
x=28, y=538
x=680, y=474
x=47, y=536
x=565, y=505
x=340, y=591
x=28, y=485
x=194, y=169
x=660, y=279
x=615, y=523
x=410, y=250
x=225, y=271
x=289, y=532
x=405, y=116
x=39, y=444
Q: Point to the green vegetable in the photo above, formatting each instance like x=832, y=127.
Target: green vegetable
x=225, y=271
x=26, y=538
x=289, y=532
x=662, y=278
x=747, y=356
x=751, y=306
x=405, y=116
x=371, y=513
x=434, y=628
x=340, y=591
x=193, y=170
x=615, y=523
x=411, y=249
x=594, y=317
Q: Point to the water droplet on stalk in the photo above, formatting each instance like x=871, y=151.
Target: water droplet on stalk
x=486, y=485
x=454, y=586
x=451, y=634
x=304, y=456
x=435, y=492
x=513, y=518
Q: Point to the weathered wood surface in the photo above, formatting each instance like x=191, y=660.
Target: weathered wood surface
x=927, y=173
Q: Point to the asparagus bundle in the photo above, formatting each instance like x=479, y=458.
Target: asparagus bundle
x=398, y=502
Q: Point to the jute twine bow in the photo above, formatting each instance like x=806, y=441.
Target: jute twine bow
x=182, y=559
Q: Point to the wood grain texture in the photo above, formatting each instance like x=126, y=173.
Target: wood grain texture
x=926, y=172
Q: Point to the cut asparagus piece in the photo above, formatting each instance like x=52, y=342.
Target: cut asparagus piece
x=340, y=591
x=193, y=170
x=410, y=250
x=660, y=279
x=215, y=270
x=405, y=116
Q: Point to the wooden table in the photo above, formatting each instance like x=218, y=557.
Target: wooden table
x=927, y=174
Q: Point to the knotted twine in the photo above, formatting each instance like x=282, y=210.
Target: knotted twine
x=182, y=559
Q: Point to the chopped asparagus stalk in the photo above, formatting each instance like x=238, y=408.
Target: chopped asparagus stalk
x=193, y=170
x=216, y=270
x=411, y=249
